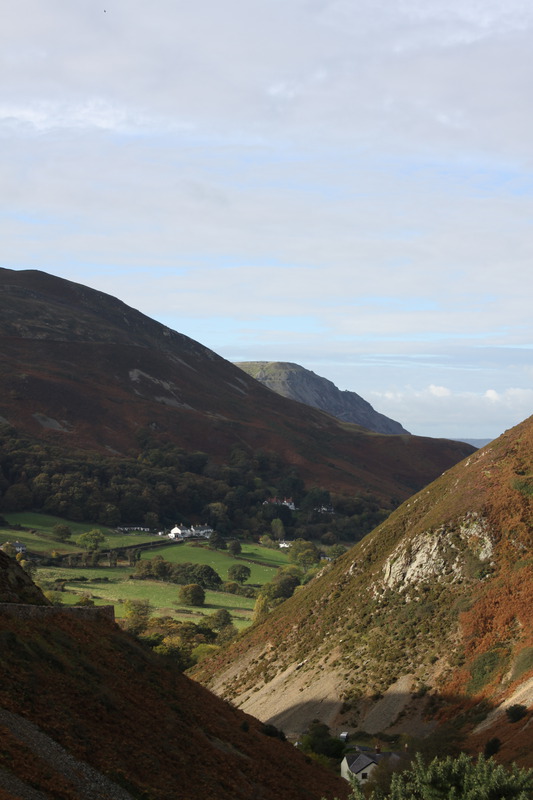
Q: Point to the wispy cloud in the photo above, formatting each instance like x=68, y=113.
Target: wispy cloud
x=347, y=185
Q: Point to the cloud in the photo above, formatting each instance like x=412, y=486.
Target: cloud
x=417, y=408
x=346, y=185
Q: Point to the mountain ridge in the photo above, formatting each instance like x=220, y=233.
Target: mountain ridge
x=294, y=381
x=80, y=369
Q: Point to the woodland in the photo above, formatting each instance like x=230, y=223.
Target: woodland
x=163, y=485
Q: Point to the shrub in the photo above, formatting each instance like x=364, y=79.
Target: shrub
x=491, y=747
x=192, y=594
x=516, y=712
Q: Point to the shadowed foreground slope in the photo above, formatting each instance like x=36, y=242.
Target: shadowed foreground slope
x=84, y=691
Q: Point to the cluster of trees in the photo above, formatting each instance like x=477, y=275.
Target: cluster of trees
x=460, y=777
x=280, y=588
x=183, y=573
x=318, y=740
x=163, y=485
x=184, y=643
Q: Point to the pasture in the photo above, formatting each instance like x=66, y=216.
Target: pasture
x=106, y=585
x=43, y=540
x=262, y=562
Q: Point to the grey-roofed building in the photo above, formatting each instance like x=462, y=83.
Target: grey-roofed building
x=360, y=765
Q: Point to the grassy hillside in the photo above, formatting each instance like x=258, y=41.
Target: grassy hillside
x=429, y=614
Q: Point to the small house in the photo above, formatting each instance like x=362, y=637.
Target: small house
x=360, y=765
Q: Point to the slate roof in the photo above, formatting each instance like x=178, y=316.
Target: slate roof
x=357, y=762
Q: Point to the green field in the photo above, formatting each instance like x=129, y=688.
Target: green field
x=42, y=540
x=220, y=560
x=164, y=597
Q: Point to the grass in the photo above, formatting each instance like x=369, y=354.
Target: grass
x=43, y=540
x=221, y=560
x=164, y=597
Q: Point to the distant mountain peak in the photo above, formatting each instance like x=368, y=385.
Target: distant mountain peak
x=293, y=381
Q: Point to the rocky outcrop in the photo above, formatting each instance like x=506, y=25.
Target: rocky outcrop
x=303, y=385
x=445, y=554
x=16, y=586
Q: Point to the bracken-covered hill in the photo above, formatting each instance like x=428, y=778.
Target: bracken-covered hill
x=80, y=369
x=303, y=385
x=428, y=618
x=88, y=713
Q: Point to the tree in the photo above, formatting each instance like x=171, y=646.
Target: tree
x=460, y=777
x=278, y=529
x=61, y=532
x=137, y=614
x=239, y=573
x=29, y=567
x=284, y=585
x=304, y=553
x=261, y=609
x=206, y=576
x=192, y=594
x=17, y=498
x=336, y=551
x=91, y=540
x=315, y=499
x=216, y=542
x=219, y=619
x=151, y=520
x=234, y=548
x=319, y=740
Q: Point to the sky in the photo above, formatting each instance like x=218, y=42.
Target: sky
x=343, y=184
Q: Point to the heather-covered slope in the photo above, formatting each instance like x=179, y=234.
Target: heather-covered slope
x=303, y=385
x=87, y=713
x=82, y=370
x=431, y=613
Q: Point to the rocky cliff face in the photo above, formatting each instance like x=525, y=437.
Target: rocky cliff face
x=303, y=385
